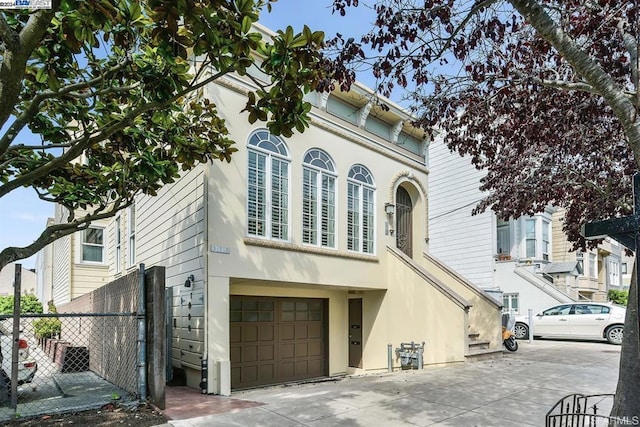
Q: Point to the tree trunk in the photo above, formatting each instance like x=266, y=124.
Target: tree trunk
x=626, y=405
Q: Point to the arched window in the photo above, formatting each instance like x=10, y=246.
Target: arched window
x=319, y=199
x=360, y=210
x=267, y=186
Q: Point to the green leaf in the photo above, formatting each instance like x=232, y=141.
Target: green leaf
x=246, y=24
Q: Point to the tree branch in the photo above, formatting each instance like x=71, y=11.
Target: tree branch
x=8, y=36
x=87, y=140
x=12, y=66
x=34, y=107
x=586, y=67
x=56, y=231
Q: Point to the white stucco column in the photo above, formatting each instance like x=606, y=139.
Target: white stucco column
x=219, y=378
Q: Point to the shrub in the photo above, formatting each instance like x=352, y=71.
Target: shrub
x=48, y=327
x=28, y=304
x=618, y=297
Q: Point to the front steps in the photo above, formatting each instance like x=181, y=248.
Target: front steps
x=479, y=349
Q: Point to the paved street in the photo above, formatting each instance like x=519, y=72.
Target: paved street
x=517, y=389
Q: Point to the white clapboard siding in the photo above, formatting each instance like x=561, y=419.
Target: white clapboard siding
x=170, y=230
x=61, y=292
x=462, y=241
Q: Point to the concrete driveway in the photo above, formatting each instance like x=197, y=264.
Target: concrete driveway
x=517, y=389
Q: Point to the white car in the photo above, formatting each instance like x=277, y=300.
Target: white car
x=27, y=367
x=587, y=320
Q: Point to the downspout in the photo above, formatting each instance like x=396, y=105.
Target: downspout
x=142, y=337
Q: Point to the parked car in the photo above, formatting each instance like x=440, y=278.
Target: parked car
x=595, y=321
x=27, y=367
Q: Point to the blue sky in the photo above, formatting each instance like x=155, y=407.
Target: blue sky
x=23, y=216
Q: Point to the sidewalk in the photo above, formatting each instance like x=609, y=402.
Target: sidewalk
x=517, y=389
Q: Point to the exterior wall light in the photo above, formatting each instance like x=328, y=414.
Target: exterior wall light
x=390, y=208
x=189, y=281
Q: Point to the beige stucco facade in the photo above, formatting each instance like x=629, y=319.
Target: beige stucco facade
x=198, y=228
x=404, y=298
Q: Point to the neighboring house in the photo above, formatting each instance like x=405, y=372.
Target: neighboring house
x=44, y=277
x=7, y=279
x=626, y=268
x=304, y=257
x=503, y=257
x=79, y=261
x=593, y=272
x=527, y=262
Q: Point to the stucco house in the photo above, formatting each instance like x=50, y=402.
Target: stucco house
x=596, y=270
x=7, y=279
x=304, y=257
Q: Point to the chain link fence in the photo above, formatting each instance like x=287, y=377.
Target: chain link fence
x=87, y=353
x=67, y=362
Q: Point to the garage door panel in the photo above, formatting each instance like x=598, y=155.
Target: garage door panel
x=287, y=332
x=250, y=334
x=235, y=334
x=301, y=331
x=267, y=353
x=286, y=351
x=316, y=349
x=275, y=340
x=286, y=370
x=301, y=368
x=316, y=368
x=249, y=374
x=315, y=330
x=267, y=332
x=302, y=350
x=268, y=374
x=249, y=353
x=235, y=355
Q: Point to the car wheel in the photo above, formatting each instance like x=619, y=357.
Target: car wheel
x=614, y=334
x=521, y=331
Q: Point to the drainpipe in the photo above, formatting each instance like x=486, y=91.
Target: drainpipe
x=142, y=338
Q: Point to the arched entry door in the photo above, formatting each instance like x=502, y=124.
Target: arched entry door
x=404, y=225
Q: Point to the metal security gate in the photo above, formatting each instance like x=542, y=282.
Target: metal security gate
x=277, y=340
x=404, y=222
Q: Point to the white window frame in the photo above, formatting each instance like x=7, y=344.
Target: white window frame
x=360, y=237
x=546, y=239
x=503, y=235
x=510, y=297
x=580, y=261
x=118, y=243
x=530, y=238
x=131, y=235
x=592, y=265
x=82, y=243
x=614, y=273
x=274, y=153
x=319, y=221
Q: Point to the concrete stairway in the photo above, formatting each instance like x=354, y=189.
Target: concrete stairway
x=479, y=349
